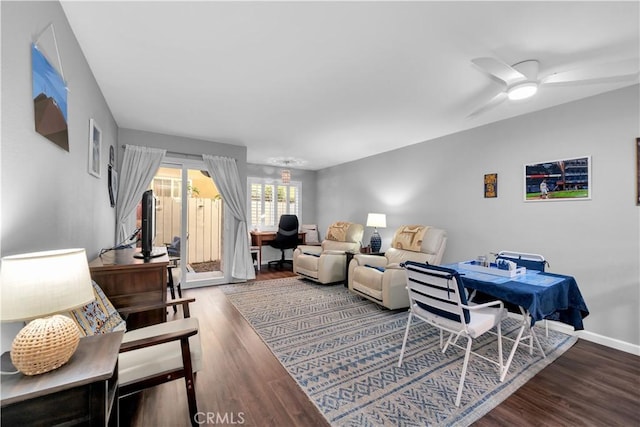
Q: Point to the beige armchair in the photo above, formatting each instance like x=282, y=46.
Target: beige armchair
x=381, y=278
x=327, y=263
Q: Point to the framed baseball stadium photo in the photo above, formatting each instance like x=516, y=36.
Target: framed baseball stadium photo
x=565, y=179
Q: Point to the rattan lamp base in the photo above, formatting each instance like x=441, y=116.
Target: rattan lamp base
x=44, y=344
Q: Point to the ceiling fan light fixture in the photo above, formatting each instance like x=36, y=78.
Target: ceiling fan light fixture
x=522, y=91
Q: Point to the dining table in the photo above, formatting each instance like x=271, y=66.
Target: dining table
x=538, y=295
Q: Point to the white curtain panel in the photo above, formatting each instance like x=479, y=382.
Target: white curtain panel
x=139, y=166
x=224, y=172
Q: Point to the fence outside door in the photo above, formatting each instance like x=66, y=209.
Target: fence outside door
x=204, y=226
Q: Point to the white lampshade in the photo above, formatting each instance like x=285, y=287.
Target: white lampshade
x=38, y=284
x=377, y=220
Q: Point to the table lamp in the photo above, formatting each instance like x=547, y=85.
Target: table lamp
x=35, y=286
x=376, y=220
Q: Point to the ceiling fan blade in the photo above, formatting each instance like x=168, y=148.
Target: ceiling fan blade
x=492, y=103
x=610, y=71
x=499, y=69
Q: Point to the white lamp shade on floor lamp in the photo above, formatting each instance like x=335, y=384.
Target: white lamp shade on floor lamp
x=42, y=284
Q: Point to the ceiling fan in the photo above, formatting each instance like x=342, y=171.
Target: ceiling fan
x=522, y=81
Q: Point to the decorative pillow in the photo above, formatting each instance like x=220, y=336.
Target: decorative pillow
x=409, y=237
x=338, y=231
x=99, y=316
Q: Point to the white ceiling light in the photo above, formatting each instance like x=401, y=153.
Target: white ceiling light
x=522, y=91
x=286, y=161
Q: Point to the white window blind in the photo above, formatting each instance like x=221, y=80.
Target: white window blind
x=168, y=186
x=268, y=200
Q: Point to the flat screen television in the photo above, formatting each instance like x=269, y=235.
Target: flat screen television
x=148, y=227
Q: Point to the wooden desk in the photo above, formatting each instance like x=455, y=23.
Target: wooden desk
x=129, y=281
x=262, y=238
x=84, y=391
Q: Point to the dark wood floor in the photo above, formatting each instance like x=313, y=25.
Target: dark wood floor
x=243, y=383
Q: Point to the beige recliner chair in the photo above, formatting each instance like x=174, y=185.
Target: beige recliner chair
x=381, y=278
x=327, y=263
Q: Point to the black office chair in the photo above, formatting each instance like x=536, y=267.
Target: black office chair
x=173, y=248
x=286, y=238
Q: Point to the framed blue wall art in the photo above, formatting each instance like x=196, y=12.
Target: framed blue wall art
x=49, y=100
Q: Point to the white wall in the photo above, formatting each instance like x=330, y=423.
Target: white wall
x=440, y=183
x=49, y=200
x=189, y=146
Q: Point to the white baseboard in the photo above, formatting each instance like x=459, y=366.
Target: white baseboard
x=596, y=338
x=589, y=336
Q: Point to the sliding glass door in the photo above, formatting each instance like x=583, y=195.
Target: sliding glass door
x=189, y=210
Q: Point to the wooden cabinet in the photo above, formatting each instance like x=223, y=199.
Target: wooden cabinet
x=84, y=391
x=129, y=281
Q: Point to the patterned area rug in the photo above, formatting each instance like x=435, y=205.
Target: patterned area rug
x=343, y=351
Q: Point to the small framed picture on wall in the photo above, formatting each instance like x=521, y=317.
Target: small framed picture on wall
x=490, y=185
x=95, y=148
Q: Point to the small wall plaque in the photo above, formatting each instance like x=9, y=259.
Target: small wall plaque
x=490, y=185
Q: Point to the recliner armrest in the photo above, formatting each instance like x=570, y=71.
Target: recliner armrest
x=313, y=249
x=374, y=260
x=395, y=266
x=333, y=252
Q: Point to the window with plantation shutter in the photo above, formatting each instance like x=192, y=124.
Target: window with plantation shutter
x=269, y=199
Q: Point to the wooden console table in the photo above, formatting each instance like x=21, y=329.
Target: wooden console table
x=84, y=391
x=129, y=281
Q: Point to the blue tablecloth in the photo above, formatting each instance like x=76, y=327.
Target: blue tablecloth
x=544, y=295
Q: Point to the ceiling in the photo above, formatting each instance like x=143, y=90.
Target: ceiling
x=332, y=82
